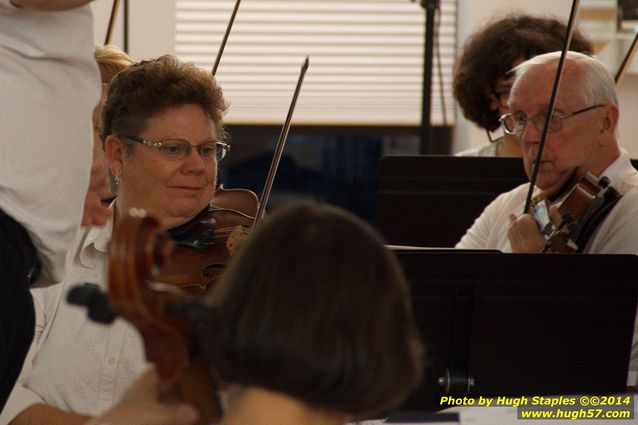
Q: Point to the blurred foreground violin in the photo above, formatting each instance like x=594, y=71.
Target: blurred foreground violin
x=138, y=251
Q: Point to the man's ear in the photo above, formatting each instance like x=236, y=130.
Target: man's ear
x=610, y=121
x=114, y=153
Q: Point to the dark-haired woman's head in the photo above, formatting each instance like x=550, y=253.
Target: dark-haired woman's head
x=480, y=78
x=314, y=306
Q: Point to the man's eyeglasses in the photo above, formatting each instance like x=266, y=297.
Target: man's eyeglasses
x=516, y=124
x=180, y=149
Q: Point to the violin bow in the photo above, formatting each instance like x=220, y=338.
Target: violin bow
x=280, y=146
x=552, y=103
x=626, y=61
x=109, y=30
x=220, y=52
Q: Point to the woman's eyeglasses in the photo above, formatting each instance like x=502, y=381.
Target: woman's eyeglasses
x=180, y=149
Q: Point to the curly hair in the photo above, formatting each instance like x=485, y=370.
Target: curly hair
x=491, y=52
x=150, y=87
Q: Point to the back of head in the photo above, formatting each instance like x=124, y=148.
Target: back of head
x=315, y=307
x=110, y=61
x=586, y=76
x=492, y=52
x=151, y=87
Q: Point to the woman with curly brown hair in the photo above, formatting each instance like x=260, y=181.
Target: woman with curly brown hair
x=481, y=81
x=163, y=134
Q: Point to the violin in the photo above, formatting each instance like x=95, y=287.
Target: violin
x=204, y=245
x=138, y=250
x=581, y=210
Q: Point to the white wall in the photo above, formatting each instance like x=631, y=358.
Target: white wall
x=150, y=19
x=101, y=15
x=151, y=26
x=628, y=97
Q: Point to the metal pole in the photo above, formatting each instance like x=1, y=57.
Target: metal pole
x=126, y=23
x=427, y=142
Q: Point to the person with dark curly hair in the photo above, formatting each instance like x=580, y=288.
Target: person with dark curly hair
x=481, y=80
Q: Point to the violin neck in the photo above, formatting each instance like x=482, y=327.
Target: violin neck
x=197, y=387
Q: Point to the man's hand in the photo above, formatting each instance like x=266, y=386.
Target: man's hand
x=139, y=405
x=95, y=212
x=524, y=235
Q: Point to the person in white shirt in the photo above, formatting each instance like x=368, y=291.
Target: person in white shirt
x=582, y=137
x=163, y=134
x=48, y=84
x=76, y=368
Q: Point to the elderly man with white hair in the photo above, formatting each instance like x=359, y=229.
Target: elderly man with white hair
x=582, y=137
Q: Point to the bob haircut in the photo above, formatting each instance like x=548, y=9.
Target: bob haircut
x=315, y=307
x=491, y=52
x=149, y=88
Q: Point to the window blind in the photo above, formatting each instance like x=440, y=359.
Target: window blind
x=366, y=59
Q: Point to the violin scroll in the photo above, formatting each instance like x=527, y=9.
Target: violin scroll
x=138, y=251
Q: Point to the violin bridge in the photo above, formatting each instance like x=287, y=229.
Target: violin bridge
x=540, y=212
x=234, y=239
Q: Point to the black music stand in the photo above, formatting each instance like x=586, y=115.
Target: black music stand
x=516, y=324
x=429, y=200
